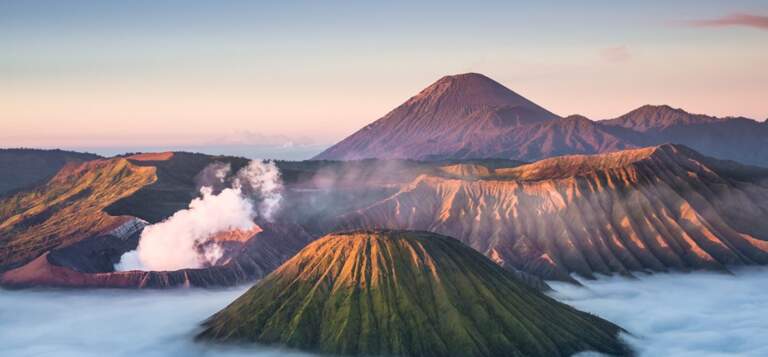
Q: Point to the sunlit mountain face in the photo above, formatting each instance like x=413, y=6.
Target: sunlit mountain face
x=395, y=179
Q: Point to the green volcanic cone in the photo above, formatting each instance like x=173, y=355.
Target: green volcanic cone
x=405, y=293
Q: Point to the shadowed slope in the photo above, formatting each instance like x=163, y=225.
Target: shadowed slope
x=405, y=293
x=24, y=168
x=645, y=209
x=740, y=139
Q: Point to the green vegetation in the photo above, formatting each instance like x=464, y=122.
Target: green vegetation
x=405, y=293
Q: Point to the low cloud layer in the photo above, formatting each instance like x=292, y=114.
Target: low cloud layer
x=185, y=239
x=738, y=19
x=697, y=314
x=88, y=323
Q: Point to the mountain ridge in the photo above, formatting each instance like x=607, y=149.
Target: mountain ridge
x=651, y=209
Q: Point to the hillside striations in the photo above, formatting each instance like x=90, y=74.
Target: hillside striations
x=67, y=209
x=408, y=294
x=650, y=209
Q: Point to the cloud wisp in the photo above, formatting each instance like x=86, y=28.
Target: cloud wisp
x=736, y=19
x=615, y=54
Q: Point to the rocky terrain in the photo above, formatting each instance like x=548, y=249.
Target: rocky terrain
x=650, y=209
x=74, y=266
x=409, y=294
x=68, y=208
x=72, y=230
x=470, y=116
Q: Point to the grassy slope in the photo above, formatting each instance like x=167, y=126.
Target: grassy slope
x=67, y=208
x=405, y=293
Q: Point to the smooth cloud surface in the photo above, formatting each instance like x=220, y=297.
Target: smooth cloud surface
x=697, y=314
x=83, y=323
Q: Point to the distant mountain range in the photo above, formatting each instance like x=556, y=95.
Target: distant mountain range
x=472, y=116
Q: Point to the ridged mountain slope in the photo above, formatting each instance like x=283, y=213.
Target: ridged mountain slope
x=409, y=294
x=655, y=209
x=68, y=208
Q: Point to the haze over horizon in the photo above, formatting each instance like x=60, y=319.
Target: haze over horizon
x=91, y=74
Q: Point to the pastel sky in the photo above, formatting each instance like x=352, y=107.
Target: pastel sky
x=148, y=72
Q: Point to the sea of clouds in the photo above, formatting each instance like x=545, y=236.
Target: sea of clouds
x=97, y=323
x=696, y=314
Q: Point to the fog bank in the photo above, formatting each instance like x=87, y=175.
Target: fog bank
x=98, y=323
x=696, y=314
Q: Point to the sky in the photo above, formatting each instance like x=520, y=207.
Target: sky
x=114, y=74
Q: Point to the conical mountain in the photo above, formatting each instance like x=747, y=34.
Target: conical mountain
x=470, y=116
x=441, y=120
x=405, y=293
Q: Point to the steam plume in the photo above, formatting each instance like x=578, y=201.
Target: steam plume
x=185, y=239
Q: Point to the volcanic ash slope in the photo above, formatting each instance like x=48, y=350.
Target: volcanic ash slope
x=649, y=209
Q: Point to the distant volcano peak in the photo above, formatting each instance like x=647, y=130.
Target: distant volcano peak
x=471, y=90
x=441, y=120
x=655, y=117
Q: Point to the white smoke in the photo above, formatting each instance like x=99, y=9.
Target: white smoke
x=184, y=239
x=261, y=180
